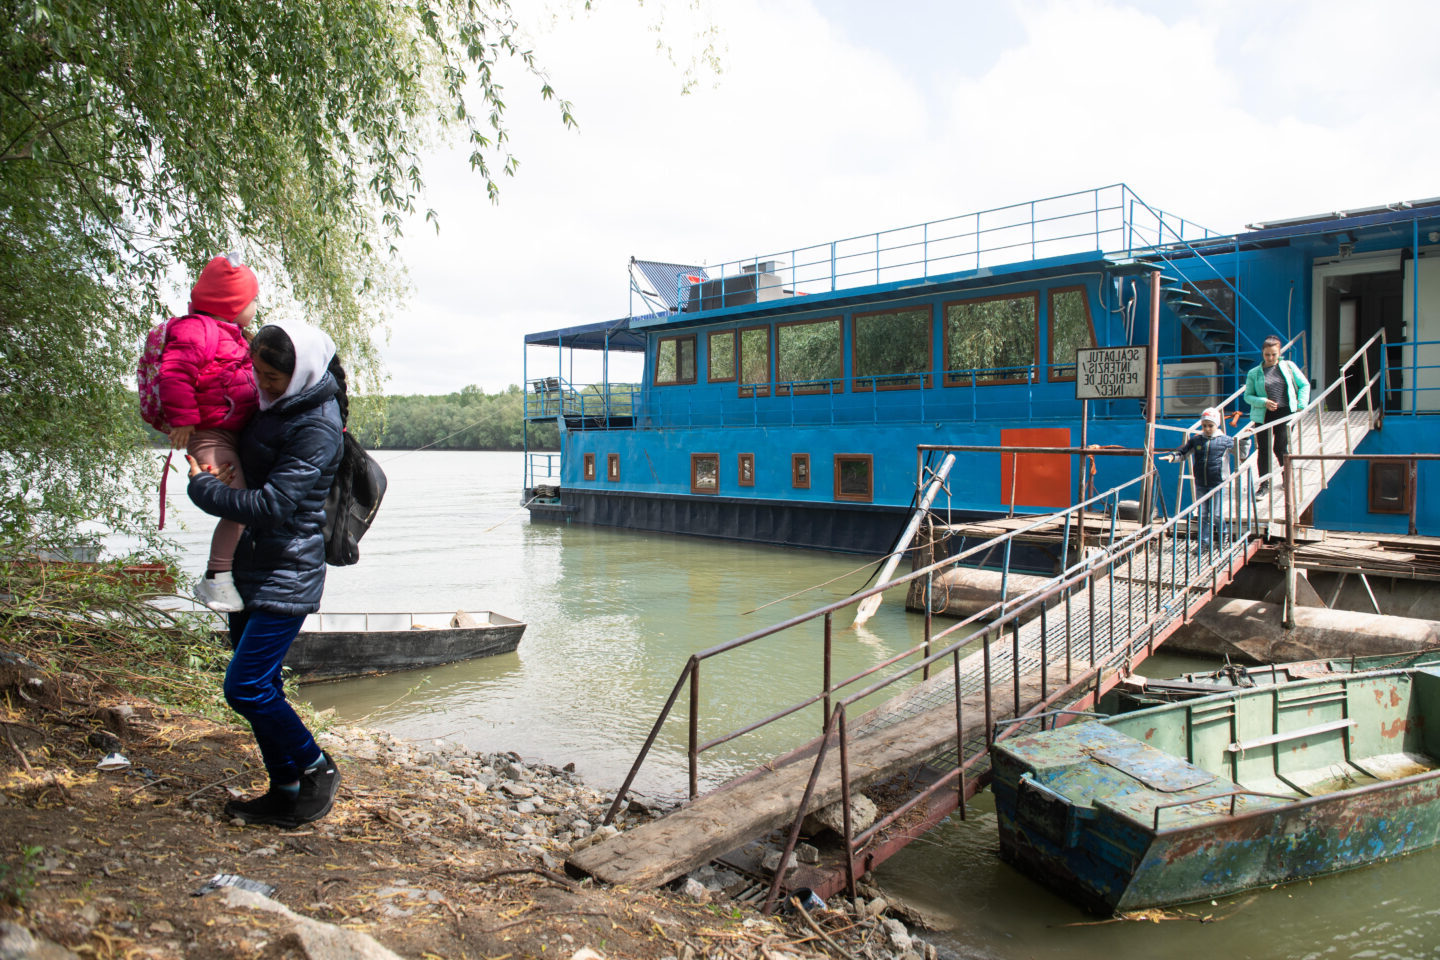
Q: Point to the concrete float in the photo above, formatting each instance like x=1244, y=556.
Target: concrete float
x=1251, y=631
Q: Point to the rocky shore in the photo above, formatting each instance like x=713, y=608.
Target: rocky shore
x=433, y=850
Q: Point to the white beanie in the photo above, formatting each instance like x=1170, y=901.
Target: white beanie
x=1211, y=415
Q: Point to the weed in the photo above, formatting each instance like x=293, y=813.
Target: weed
x=18, y=879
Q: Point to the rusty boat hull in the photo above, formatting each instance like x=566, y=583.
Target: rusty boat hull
x=1214, y=796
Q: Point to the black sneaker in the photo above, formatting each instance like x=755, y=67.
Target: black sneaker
x=275, y=807
x=318, y=786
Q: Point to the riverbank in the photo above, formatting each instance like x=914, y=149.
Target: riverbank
x=432, y=850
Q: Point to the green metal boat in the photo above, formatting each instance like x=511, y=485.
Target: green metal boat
x=1221, y=794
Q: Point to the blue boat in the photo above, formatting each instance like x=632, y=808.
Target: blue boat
x=786, y=398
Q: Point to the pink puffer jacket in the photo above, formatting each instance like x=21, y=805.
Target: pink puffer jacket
x=203, y=391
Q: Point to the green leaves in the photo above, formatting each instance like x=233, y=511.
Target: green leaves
x=139, y=138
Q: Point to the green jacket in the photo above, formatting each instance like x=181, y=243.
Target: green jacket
x=1297, y=386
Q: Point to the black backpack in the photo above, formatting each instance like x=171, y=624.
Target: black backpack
x=353, y=500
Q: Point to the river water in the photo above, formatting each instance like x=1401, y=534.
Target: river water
x=612, y=618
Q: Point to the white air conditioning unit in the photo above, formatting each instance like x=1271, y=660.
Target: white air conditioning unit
x=1189, y=387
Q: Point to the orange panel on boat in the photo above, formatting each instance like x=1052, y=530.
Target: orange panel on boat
x=1044, y=479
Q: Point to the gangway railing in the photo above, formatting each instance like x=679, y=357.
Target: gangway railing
x=1099, y=610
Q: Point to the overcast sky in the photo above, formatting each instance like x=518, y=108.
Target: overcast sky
x=831, y=119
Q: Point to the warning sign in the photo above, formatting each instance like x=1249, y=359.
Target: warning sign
x=1110, y=373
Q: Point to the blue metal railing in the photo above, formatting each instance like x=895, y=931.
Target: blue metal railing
x=1108, y=219
x=594, y=403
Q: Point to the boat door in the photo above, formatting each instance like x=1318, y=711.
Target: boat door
x=1353, y=298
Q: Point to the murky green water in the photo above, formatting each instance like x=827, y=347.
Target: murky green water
x=613, y=616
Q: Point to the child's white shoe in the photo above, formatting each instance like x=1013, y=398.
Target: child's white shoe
x=219, y=593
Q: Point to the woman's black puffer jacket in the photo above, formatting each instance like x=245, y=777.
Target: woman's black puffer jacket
x=289, y=453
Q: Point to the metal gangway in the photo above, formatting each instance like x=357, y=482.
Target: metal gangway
x=1020, y=664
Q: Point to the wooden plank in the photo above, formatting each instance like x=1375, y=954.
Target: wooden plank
x=662, y=850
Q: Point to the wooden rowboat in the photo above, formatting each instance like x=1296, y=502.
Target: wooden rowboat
x=1213, y=796
x=334, y=646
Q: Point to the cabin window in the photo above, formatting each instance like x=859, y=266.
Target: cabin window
x=1070, y=329
x=755, y=362
x=721, y=350
x=800, y=471
x=853, y=477
x=1390, y=488
x=808, y=356
x=704, y=472
x=892, y=349
x=675, y=360
x=746, y=472
x=589, y=466
x=612, y=467
x=992, y=339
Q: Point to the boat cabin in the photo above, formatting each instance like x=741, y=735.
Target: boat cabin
x=782, y=398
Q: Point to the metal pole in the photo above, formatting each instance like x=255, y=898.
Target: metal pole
x=695, y=731
x=1084, y=442
x=1152, y=373
x=1290, y=573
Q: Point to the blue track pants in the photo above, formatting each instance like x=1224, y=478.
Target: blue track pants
x=253, y=688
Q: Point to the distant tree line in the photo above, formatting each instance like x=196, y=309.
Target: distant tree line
x=468, y=420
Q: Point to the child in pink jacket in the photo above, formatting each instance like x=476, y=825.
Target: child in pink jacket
x=208, y=397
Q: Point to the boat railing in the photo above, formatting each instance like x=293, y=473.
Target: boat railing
x=1410, y=396
x=1169, y=245
x=1087, y=221
x=1232, y=795
x=593, y=403
x=967, y=395
x=541, y=466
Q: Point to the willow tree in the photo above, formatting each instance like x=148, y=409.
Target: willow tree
x=140, y=137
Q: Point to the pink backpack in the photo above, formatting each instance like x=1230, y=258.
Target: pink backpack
x=147, y=373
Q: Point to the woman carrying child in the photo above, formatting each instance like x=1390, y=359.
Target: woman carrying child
x=207, y=393
x=289, y=452
x=1209, y=452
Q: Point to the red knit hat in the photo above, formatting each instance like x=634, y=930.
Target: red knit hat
x=225, y=288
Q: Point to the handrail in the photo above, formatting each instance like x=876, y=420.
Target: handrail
x=1233, y=795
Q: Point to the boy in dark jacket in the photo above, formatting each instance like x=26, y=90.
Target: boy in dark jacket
x=1209, y=452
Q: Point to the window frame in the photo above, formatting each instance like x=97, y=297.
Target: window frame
x=869, y=461
x=677, y=339
x=1050, y=374
x=740, y=463
x=872, y=380
x=695, y=459
x=796, y=460
x=836, y=383
x=734, y=355
x=948, y=381
x=756, y=389
x=612, y=467
x=588, y=467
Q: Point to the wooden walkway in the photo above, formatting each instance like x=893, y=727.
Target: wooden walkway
x=1128, y=615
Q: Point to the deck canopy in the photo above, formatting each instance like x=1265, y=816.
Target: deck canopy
x=606, y=335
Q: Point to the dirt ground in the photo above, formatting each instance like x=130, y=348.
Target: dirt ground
x=105, y=863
